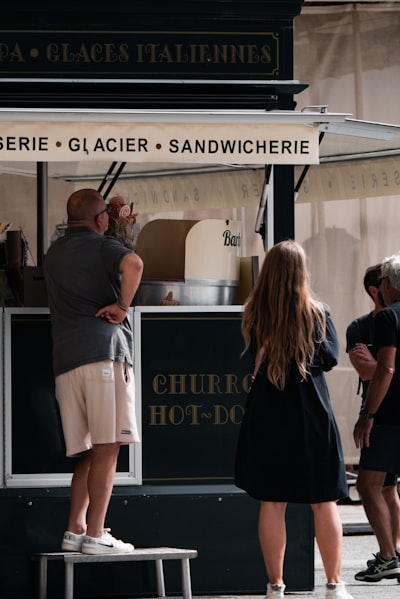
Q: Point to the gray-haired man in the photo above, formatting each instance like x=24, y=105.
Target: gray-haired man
x=377, y=431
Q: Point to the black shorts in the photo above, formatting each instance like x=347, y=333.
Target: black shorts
x=390, y=479
x=383, y=453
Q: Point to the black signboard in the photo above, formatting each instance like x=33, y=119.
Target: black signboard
x=194, y=385
x=148, y=55
x=129, y=53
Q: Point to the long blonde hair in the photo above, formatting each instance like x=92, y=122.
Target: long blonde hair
x=281, y=314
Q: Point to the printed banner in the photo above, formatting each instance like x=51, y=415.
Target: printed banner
x=241, y=143
x=352, y=180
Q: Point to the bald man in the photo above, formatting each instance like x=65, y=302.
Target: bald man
x=91, y=280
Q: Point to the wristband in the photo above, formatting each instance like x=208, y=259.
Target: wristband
x=365, y=415
x=121, y=306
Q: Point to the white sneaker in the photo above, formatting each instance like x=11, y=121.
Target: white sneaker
x=71, y=541
x=337, y=591
x=105, y=544
x=275, y=591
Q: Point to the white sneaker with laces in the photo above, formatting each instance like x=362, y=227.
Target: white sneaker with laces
x=337, y=591
x=275, y=591
x=105, y=544
x=72, y=542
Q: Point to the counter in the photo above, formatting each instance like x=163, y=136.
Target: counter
x=175, y=489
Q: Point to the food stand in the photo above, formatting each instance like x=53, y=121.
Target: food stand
x=176, y=488
x=174, y=89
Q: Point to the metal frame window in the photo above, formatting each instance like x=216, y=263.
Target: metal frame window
x=20, y=439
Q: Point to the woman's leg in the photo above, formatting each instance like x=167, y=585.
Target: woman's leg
x=272, y=535
x=329, y=534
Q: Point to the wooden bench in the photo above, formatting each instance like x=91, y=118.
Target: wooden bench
x=156, y=554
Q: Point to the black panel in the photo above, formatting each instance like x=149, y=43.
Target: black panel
x=221, y=525
x=144, y=96
x=37, y=440
x=151, y=14
x=194, y=384
x=217, y=40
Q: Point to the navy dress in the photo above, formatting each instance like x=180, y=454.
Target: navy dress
x=289, y=446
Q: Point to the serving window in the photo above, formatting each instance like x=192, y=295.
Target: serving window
x=34, y=444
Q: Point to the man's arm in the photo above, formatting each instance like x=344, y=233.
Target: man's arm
x=382, y=378
x=377, y=390
x=131, y=269
x=362, y=361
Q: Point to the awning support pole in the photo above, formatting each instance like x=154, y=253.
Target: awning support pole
x=42, y=210
x=105, y=178
x=305, y=171
x=114, y=179
x=283, y=202
x=260, y=220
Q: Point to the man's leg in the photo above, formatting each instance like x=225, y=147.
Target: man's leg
x=100, y=483
x=391, y=497
x=369, y=486
x=79, y=495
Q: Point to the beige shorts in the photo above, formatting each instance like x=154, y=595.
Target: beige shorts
x=97, y=405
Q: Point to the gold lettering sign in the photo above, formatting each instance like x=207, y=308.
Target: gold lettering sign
x=173, y=386
x=194, y=414
x=134, y=53
x=194, y=384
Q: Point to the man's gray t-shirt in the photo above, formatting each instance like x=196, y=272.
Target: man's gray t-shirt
x=82, y=276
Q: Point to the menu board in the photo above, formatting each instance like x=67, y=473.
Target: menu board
x=194, y=383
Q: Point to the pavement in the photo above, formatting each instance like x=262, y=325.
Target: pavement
x=358, y=545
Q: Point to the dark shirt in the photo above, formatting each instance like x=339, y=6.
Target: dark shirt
x=387, y=334
x=361, y=330
x=82, y=276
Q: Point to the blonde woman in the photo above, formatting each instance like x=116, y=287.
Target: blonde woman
x=289, y=448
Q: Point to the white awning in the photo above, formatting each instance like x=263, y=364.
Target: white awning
x=169, y=136
x=79, y=145
x=358, y=159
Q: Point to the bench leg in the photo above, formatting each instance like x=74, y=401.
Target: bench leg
x=160, y=578
x=69, y=580
x=186, y=582
x=42, y=577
